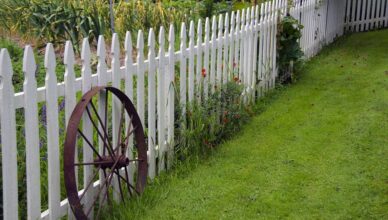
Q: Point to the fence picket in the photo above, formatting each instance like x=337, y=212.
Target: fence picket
x=226, y=50
x=220, y=43
x=213, y=55
x=140, y=76
x=230, y=66
x=116, y=104
x=129, y=71
x=171, y=95
x=206, y=70
x=182, y=79
x=237, y=46
x=86, y=123
x=199, y=62
x=152, y=142
x=8, y=145
x=102, y=99
x=32, y=134
x=52, y=133
x=161, y=75
x=191, y=62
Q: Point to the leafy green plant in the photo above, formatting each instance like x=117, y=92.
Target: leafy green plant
x=208, y=123
x=289, y=51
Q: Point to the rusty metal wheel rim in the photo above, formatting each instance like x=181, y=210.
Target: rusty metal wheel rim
x=110, y=159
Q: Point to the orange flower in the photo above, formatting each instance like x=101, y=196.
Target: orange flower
x=236, y=79
x=203, y=72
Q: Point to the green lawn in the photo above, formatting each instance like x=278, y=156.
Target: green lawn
x=317, y=150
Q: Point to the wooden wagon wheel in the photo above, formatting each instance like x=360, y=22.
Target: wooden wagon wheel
x=110, y=166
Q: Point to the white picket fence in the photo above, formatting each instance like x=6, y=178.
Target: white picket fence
x=365, y=15
x=242, y=45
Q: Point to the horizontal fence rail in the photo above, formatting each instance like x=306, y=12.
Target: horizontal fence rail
x=241, y=46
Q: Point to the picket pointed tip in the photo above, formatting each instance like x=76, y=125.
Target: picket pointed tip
x=232, y=17
x=161, y=36
x=207, y=25
x=128, y=42
x=151, y=38
x=85, y=53
x=191, y=31
x=171, y=33
x=257, y=11
x=226, y=20
x=5, y=66
x=69, y=54
x=140, y=40
x=214, y=24
x=220, y=21
x=183, y=31
x=29, y=65
x=199, y=30
x=49, y=59
x=238, y=17
x=101, y=47
x=261, y=11
x=115, y=50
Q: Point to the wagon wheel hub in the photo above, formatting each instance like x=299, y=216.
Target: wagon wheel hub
x=109, y=162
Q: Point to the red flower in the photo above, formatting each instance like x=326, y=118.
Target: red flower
x=234, y=64
x=225, y=120
x=236, y=79
x=203, y=72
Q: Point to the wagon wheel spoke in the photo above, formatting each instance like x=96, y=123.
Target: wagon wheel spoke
x=104, y=128
x=106, y=115
x=89, y=184
x=89, y=143
x=121, y=124
x=97, y=163
x=127, y=181
x=121, y=190
x=98, y=131
x=107, y=183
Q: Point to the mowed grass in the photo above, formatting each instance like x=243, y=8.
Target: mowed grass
x=317, y=150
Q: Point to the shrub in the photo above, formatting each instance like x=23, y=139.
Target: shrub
x=289, y=33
